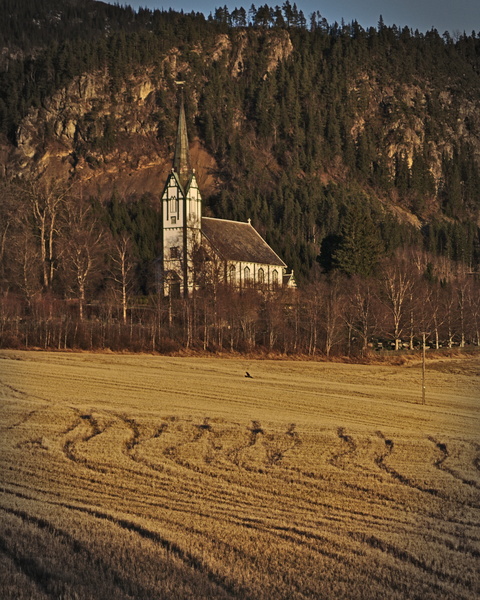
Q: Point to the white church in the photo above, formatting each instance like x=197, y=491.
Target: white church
x=196, y=249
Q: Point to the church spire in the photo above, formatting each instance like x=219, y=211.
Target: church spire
x=181, y=159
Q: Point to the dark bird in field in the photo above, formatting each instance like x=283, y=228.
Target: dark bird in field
x=247, y=374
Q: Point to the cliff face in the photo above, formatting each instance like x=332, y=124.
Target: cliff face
x=402, y=113
x=99, y=137
x=107, y=138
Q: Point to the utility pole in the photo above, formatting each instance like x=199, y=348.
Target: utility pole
x=423, y=368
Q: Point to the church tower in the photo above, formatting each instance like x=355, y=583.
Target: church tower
x=182, y=216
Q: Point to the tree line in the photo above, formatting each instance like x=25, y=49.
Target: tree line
x=78, y=274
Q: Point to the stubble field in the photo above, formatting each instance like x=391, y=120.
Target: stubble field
x=154, y=477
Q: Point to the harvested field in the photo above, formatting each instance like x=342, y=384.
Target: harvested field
x=156, y=477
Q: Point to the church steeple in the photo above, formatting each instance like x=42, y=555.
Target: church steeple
x=181, y=214
x=181, y=159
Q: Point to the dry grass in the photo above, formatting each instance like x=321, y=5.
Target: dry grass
x=153, y=477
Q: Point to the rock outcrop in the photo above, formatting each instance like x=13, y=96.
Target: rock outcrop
x=104, y=136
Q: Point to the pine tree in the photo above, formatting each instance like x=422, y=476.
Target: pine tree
x=360, y=247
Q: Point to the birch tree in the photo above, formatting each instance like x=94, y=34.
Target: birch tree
x=122, y=267
x=396, y=285
x=332, y=306
x=360, y=313
x=46, y=200
x=80, y=250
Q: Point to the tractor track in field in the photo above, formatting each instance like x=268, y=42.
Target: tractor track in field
x=476, y=460
x=170, y=453
x=440, y=463
x=40, y=575
x=19, y=394
x=187, y=558
x=29, y=567
x=381, y=545
x=380, y=461
x=69, y=447
x=455, y=546
x=275, y=446
x=169, y=546
x=253, y=433
x=348, y=450
x=356, y=502
x=25, y=418
x=44, y=524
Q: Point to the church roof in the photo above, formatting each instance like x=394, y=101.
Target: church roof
x=237, y=241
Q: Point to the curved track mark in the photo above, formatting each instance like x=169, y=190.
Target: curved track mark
x=349, y=448
x=440, y=464
x=69, y=447
x=380, y=462
x=406, y=557
x=77, y=548
x=186, y=557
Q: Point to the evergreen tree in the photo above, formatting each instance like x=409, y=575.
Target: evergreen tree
x=360, y=247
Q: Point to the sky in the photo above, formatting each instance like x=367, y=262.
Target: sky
x=455, y=16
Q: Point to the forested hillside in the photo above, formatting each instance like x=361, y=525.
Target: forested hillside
x=343, y=145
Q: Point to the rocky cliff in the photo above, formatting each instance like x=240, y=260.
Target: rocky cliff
x=108, y=138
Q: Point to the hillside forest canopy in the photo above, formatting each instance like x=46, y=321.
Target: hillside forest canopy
x=356, y=155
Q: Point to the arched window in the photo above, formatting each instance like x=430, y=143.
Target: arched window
x=173, y=204
x=246, y=275
x=232, y=274
x=275, y=278
x=261, y=276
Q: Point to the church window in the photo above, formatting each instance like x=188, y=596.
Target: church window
x=173, y=204
x=232, y=274
x=246, y=274
x=261, y=276
x=275, y=278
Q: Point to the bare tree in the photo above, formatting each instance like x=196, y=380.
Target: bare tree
x=273, y=316
x=80, y=249
x=331, y=311
x=292, y=320
x=360, y=315
x=122, y=269
x=25, y=265
x=433, y=299
x=312, y=303
x=449, y=306
x=208, y=276
x=397, y=284
x=247, y=307
x=462, y=285
x=473, y=308
x=46, y=200
x=9, y=210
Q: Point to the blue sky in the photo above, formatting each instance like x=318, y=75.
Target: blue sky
x=455, y=16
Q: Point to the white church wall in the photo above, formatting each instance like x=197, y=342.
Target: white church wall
x=249, y=274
